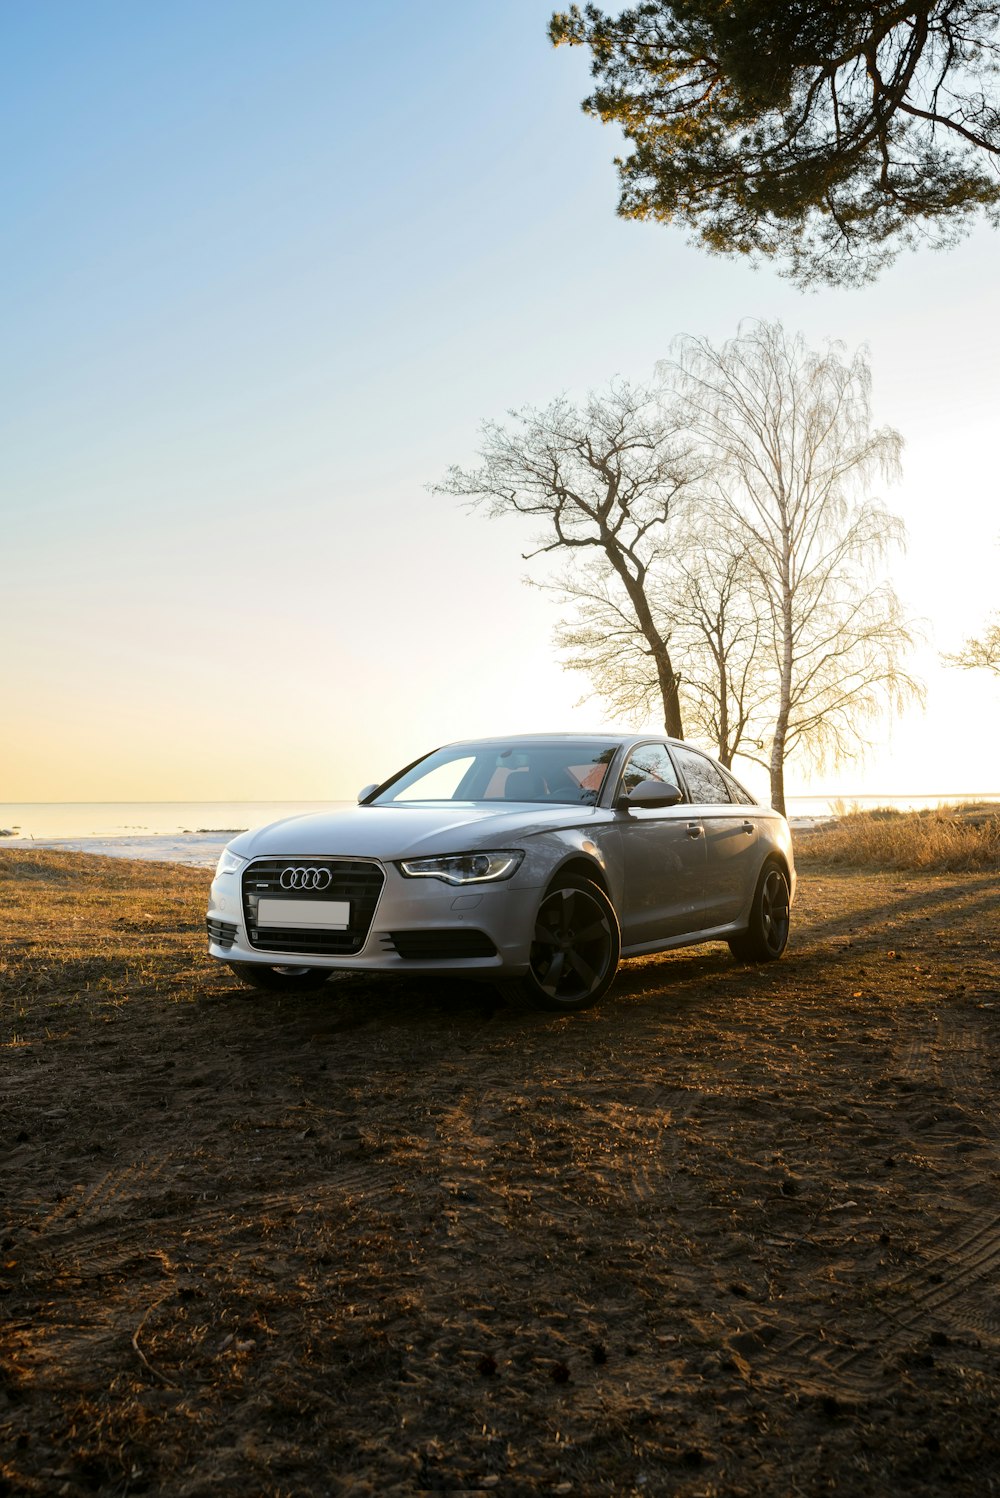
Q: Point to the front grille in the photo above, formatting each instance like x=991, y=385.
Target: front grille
x=360, y=883
x=221, y=932
x=436, y=946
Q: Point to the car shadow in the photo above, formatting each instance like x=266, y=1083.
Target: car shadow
x=974, y=894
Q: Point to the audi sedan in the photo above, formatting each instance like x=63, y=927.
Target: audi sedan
x=535, y=862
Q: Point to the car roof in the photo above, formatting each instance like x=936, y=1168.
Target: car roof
x=600, y=735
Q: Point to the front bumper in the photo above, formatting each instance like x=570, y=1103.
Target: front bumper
x=428, y=913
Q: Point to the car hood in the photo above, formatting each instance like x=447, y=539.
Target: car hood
x=388, y=832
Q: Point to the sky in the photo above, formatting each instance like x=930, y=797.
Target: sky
x=266, y=269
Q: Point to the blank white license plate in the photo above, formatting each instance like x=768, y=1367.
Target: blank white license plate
x=327, y=915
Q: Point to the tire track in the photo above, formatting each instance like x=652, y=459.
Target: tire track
x=114, y=1187
x=915, y=1062
x=958, y=1284
x=169, y=1232
x=948, y=1290
x=637, y=1165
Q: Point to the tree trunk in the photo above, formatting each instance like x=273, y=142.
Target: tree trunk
x=725, y=757
x=785, y=699
x=778, y=774
x=669, y=682
x=665, y=673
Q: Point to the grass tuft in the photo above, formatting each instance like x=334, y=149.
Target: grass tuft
x=950, y=839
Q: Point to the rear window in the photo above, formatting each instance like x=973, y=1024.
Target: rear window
x=705, y=782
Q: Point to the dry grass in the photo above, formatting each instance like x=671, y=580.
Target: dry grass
x=93, y=932
x=951, y=839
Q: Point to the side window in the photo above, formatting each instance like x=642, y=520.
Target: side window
x=705, y=782
x=737, y=793
x=649, y=762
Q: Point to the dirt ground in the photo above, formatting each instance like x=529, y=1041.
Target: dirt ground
x=734, y=1232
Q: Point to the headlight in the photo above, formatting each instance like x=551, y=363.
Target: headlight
x=464, y=868
x=229, y=863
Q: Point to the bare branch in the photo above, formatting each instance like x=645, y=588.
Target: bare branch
x=605, y=477
x=979, y=655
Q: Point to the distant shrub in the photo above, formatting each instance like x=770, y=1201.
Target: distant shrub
x=951, y=838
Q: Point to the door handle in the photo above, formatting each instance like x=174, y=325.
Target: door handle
x=694, y=829
x=747, y=826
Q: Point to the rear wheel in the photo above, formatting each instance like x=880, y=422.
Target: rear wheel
x=280, y=979
x=575, y=951
x=765, y=938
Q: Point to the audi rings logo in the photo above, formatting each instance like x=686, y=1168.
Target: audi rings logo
x=305, y=878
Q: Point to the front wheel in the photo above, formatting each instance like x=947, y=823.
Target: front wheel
x=765, y=938
x=575, y=951
x=280, y=979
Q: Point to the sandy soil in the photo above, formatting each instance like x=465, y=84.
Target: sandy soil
x=737, y=1231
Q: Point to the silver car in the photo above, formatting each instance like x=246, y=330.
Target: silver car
x=535, y=861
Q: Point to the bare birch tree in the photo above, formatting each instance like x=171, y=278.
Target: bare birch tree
x=704, y=599
x=979, y=654
x=602, y=478
x=719, y=613
x=789, y=452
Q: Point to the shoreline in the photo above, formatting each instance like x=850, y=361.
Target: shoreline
x=201, y=849
x=195, y=850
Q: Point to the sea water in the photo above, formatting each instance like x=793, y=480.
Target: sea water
x=192, y=832
x=195, y=832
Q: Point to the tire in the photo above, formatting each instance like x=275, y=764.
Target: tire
x=574, y=956
x=280, y=979
x=765, y=938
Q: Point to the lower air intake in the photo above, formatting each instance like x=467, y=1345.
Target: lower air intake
x=221, y=932
x=442, y=946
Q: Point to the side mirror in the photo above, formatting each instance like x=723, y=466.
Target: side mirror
x=363, y=795
x=650, y=794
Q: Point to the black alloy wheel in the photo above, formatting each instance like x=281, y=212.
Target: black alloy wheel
x=284, y=979
x=767, y=934
x=575, y=951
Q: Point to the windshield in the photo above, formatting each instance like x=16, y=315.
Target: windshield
x=569, y=773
